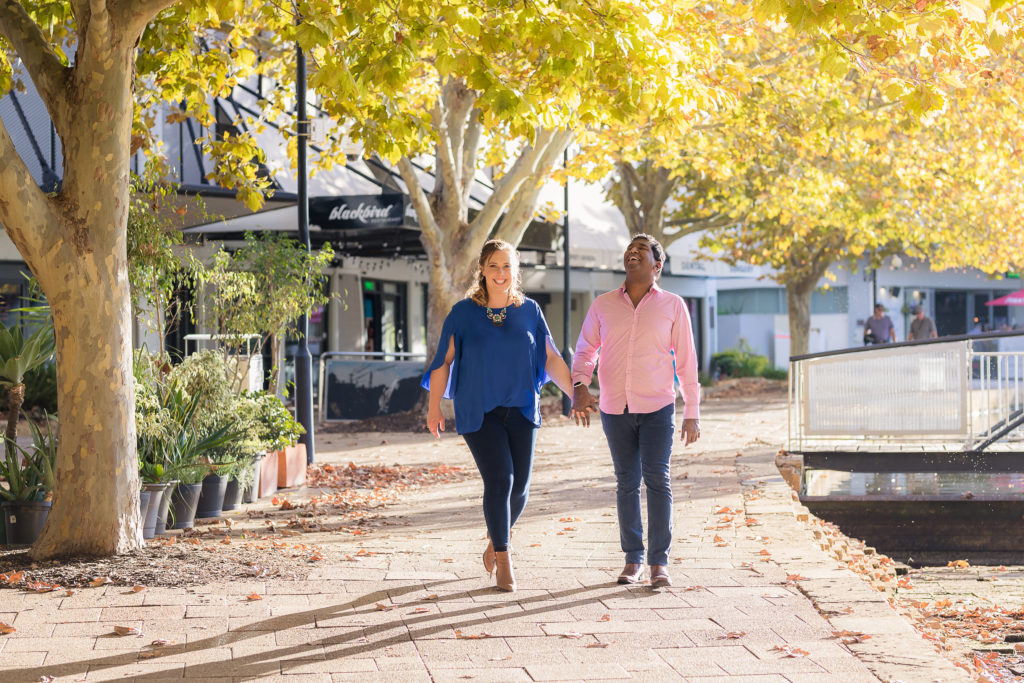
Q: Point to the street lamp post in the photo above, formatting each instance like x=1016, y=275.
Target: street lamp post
x=303, y=359
x=567, y=296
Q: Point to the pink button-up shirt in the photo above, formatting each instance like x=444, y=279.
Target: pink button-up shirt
x=636, y=345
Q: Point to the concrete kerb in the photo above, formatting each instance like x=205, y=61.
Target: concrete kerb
x=894, y=650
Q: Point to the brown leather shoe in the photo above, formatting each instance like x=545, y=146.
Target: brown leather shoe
x=631, y=573
x=659, y=576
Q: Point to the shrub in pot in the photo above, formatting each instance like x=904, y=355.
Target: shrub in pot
x=241, y=481
x=18, y=356
x=30, y=482
x=157, y=419
x=172, y=441
x=189, y=469
x=279, y=433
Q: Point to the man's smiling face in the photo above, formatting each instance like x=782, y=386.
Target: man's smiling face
x=639, y=258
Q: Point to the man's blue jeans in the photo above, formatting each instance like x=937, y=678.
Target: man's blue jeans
x=503, y=450
x=641, y=446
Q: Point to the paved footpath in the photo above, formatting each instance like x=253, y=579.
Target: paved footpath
x=751, y=584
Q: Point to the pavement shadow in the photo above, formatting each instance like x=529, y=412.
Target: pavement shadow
x=578, y=496
x=277, y=660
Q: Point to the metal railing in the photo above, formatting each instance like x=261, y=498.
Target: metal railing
x=959, y=394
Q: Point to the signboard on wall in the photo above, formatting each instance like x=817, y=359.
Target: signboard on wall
x=357, y=212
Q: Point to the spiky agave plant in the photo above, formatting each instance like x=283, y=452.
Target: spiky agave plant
x=18, y=355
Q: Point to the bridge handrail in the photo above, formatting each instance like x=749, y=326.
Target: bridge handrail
x=953, y=394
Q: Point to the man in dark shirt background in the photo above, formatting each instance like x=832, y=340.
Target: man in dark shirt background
x=879, y=328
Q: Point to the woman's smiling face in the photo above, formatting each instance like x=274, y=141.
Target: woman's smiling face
x=500, y=272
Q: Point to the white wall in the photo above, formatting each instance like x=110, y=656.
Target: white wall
x=756, y=329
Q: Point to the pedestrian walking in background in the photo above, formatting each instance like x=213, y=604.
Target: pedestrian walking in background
x=494, y=355
x=879, y=328
x=921, y=327
x=635, y=336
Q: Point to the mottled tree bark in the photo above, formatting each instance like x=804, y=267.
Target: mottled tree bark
x=75, y=243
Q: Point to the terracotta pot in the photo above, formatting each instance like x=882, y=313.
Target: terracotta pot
x=291, y=467
x=268, y=475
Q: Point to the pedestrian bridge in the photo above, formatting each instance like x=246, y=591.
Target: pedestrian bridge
x=915, y=447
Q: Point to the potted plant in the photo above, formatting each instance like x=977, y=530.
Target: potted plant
x=153, y=476
x=214, y=487
x=207, y=378
x=247, y=450
x=280, y=432
x=174, y=438
x=18, y=355
x=30, y=481
x=154, y=424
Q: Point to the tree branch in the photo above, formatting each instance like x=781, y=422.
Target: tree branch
x=30, y=208
x=446, y=190
x=523, y=206
x=430, y=232
x=470, y=149
x=99, y=23
x=42, y=63
x=459, y=102
x=134, y=15
x=509, y=183
x=704, y=223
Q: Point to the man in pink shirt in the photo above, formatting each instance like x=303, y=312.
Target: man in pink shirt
x=642, y=332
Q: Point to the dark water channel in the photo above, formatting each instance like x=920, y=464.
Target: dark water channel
x=925, y=517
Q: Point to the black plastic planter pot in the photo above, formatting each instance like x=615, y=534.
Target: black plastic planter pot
x=232, y=495
x=212, y=498
x=24, y=521
x=157, y=496
x=163, y=505
x=183, y=505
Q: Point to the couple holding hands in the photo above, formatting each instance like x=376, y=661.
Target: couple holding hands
x=496, y=352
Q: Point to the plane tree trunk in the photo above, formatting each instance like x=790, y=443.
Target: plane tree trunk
x=75, y=243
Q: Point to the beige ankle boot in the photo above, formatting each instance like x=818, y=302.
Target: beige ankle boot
x=506, y=580
x=489, y=558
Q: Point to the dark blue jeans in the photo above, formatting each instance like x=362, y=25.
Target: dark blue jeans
x=503, y=450
x=641, y=446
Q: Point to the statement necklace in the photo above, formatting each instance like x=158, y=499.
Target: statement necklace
x=497, y=319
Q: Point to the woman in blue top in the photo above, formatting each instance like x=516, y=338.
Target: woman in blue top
x=494, y=355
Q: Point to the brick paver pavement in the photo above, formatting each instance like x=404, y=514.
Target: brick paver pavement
x=419, y=607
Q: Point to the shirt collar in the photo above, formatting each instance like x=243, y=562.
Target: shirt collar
x=654, y=288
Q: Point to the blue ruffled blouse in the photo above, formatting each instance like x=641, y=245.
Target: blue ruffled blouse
x=493, y=366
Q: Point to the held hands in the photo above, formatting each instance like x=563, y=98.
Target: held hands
x=435, y=421
x=690, y=431
x=582, y=405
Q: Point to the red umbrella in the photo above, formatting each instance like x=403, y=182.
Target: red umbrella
x=1015, y=299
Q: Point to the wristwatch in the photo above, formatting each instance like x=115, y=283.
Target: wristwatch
x=577, y=384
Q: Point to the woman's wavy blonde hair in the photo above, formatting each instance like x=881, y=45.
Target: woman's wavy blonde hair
x=478, y=291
